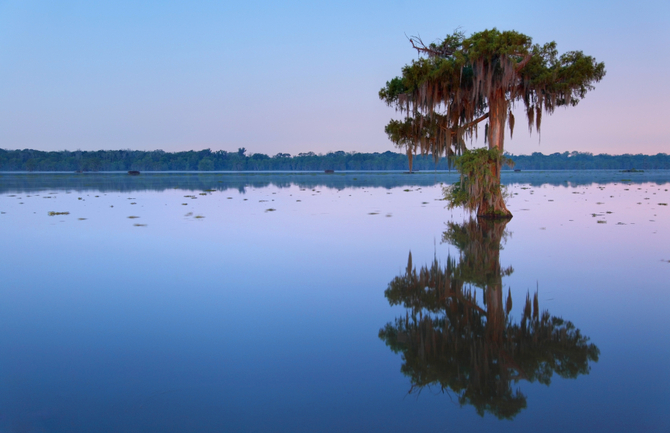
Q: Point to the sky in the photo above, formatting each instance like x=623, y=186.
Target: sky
x=300, y=76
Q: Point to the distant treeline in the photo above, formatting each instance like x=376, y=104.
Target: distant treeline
x=589, y=161
x=207, y=160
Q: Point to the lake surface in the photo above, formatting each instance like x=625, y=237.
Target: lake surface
x=325, y=303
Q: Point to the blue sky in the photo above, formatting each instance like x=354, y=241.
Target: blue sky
x=298, y=76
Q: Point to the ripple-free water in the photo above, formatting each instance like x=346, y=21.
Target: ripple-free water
x=254, y=302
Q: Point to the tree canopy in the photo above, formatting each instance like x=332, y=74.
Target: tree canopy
x=459, y=82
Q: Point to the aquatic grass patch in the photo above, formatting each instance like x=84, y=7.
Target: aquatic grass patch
x=52, y=213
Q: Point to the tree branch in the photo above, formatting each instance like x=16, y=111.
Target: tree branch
x=422, y=48
x=523, y=63
x=468, y=125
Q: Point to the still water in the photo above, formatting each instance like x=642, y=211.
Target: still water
x=327, y=303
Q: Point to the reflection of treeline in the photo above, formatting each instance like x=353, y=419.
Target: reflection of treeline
x=207, y=160
x=213, y=181
x=26, y=182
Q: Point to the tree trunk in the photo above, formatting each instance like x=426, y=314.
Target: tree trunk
x=410, y=156
x=495, y=207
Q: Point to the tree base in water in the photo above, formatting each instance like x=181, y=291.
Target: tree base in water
x=498, y=215
x=494, y=209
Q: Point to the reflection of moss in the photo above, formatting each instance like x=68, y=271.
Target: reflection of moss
x=51, y=213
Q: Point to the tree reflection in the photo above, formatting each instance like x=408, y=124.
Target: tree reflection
x=450, y=340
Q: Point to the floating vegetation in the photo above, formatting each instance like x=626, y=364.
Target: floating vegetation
x=602, y=222
x=210, y=190
x=184, y=204
x=133, y=217
x=78, y=198
x=620, y=223
x=189, y=214
x=298, y=200
x=81, y=219
x=133, y=203
x=424, y=202
x=229, y=198
x=609, y=211
x=203, y=193
x=388, y=215
x=270, y=210
x=261, y=201
x=52, y=213
x=662, y=204
x=407, y=190
x=373, y=213
x=198, y=216
x=599, y=202
x=139, y=225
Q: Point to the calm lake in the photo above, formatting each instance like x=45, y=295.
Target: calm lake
x=175, y=302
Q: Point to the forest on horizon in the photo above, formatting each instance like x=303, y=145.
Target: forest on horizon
x=221, y=160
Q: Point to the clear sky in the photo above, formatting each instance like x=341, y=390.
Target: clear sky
x=299, y=76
